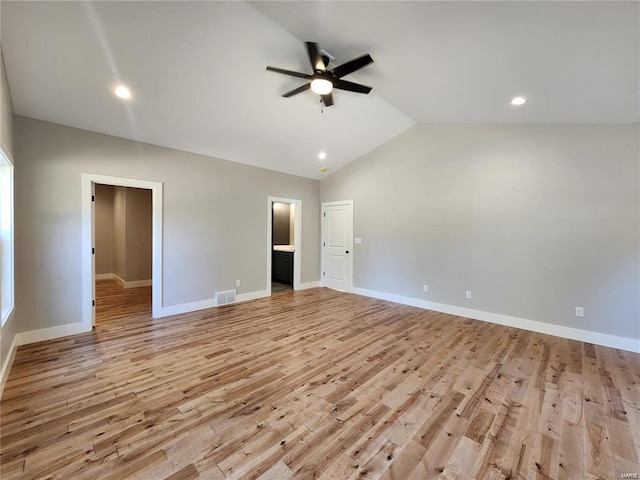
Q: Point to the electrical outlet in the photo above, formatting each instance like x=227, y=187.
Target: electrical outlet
x=425, y=288
x=579, y=311
x=237, y=283
x=468, y=294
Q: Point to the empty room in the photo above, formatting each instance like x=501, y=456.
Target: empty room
x=320, y=239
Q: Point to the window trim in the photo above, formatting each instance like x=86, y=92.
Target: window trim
x=7, y=272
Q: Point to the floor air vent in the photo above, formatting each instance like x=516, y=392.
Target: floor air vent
x=223, y=298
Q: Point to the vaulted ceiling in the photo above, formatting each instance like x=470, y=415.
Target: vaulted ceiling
x=199, y=84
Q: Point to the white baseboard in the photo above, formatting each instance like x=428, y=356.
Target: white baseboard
x=133, y=284
x=187, y=307
x=138, y=283
x=50, y=333
x=104, y=276
x=305, y=286
x=6, y=368
x=209, y=303
x=244, y=297
x=622, y=343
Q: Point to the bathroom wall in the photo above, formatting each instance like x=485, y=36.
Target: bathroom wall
x=281, y=224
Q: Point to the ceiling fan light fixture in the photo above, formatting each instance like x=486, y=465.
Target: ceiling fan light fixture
x=321, y=86
x=324, y=80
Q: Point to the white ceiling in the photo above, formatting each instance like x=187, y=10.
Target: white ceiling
x=444, y=62
x=197, y=70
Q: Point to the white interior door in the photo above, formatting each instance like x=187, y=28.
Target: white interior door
x=337, y=245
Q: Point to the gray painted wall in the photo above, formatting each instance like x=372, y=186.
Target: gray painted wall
x=215, y=218
x=534, y=220
x=138, y=234
x=6, y=109
x=8, y=331
x=104, y=228
x=123, y=232
x=119, y=235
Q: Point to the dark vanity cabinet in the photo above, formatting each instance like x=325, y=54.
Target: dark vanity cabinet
x=282, y=267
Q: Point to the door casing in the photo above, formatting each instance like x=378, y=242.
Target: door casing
x=297, y=240
x=88, y=181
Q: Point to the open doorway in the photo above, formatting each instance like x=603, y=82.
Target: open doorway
x=282, y=241
x=89, y=182
x=123, y=252
x=283, y=244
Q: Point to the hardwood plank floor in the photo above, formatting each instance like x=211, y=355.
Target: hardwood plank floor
x=315, y=384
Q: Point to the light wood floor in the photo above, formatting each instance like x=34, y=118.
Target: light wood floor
x=317, y=384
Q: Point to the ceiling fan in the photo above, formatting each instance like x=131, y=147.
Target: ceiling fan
x=323, y=81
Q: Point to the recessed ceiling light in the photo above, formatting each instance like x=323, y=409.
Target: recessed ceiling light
x=122, y=92
x=322, y=155
x=518, y=101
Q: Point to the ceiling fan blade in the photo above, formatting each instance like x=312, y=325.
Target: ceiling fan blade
x=289, y=72
x=301, y=89
x=350, y=86
x=352, y=66
x=317, y=63
x=327, y=99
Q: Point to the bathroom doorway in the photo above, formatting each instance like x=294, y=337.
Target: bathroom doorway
x=284, y=244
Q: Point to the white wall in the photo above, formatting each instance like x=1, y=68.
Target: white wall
x=215, y=218
x=534, y=220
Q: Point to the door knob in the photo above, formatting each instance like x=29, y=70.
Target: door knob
x=347, y=251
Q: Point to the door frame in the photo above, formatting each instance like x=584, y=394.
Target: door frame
x=323, y=256
x=297, y=240
x=88, y=181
